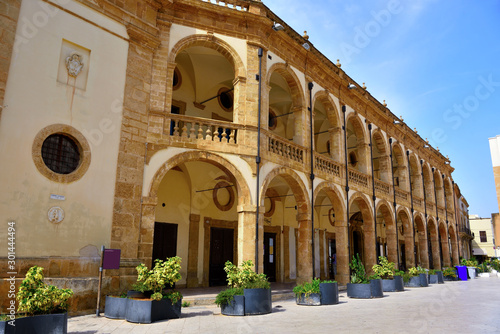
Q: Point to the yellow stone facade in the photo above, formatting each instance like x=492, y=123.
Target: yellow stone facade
x=165, y=116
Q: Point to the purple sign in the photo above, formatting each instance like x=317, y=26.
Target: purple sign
x=111, y=259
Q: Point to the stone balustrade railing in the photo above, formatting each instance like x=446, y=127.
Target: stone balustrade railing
x=382, y=187
x=358, y=178
x=402, y=195
x=327, y=165
x=238, y=5
x=285, y=148
x=194, y=128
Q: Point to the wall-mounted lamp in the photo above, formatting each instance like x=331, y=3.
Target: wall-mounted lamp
x=351, y=86
x=306, y=46
x=277, y=26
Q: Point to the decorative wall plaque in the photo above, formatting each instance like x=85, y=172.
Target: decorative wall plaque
x=55, y=215
x=74, y=64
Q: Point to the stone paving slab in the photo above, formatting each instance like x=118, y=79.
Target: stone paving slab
x=454, y=307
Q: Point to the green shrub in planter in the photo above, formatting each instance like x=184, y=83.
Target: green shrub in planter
x=163, y=274
x=35, y=297
x=358, y=275
x=385, y=269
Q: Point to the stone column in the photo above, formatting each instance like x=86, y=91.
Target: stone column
x=322, y=270
x=436, y=260
x=194, y=240
x=301, y=130
x=145, y=249
x=286, y=254
x=392, y=250
x=446, y=251
x=246, y=235
x=423, y=247
x=336, y=144
x=304, y=249
x=409, y=246
x=370, y=251
x=342, y=254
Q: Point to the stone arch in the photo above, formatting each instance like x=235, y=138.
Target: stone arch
x=381, y=164
x=332, y=111
x=292, y=80
x=404, y=215
x=214, y=43
x=390, y=231
x=242, y=187
x=421, y=238
x=438, y=187
x=340, y=228
x=303, y=260
x=400, y=166
x=358, y=152
x=428, y=184
x=433, y=241
x=454, y=244
x=445, y=246
x=366, y=231
x=416, y=177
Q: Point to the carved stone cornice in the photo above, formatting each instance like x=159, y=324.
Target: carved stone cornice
x=140, y=37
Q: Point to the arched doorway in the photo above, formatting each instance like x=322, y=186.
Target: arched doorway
x=362, y=230
x=286, y=227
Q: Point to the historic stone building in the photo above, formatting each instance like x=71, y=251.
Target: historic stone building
x=135, y=125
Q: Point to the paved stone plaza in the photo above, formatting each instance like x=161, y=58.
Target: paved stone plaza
x=455, y=307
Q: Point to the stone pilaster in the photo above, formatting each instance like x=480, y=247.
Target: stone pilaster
x=342, y=252
x=304, y=249
x=129, y=176
x=194, y=240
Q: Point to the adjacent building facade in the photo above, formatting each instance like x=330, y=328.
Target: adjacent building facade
x=209, y=130
x=483, y=244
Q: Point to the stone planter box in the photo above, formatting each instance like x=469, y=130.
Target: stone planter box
x=115, y=307
x=433, y=279
x=45, y=323
x=440, y=277
x=329, y=293
x=236, y=307
x=365, y=291
x=450, y=279
x=414, y=282
x=146, y=311
x=392, y=285
x=257, y=301
x=313, y=299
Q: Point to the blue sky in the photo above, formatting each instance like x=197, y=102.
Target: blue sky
x=435, y=62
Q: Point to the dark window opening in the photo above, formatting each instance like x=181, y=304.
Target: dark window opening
x=60, y=154
x=482, y=235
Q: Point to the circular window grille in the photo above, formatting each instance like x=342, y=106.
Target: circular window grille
x=60, y=154
x=225, y=97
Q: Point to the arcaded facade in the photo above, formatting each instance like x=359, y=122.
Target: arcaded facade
x=202, y=129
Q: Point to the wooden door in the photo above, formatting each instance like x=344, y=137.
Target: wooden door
x=270, y=256
x=164, y=241
x=221, y=250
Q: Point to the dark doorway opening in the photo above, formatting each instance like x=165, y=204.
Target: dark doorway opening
x=270, y=256
x=221, y=250
x=333, y=258
x=164, y=241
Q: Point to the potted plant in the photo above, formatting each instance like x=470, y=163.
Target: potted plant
x=387, y=272
x=317, y=293
x=418, y=277
x=116, y=306
x=42, y=308
x=361, y=286
x=161, y=304
x=248, y=293
x=450, y=274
